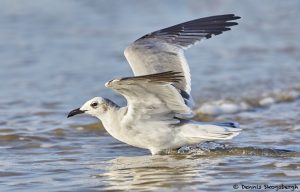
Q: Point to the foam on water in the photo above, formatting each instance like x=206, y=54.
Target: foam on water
x=227, y=106
x=213, y=148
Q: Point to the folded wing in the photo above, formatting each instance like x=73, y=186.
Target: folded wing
x=151, y=98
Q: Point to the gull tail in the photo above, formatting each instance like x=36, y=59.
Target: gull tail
x=196, y=132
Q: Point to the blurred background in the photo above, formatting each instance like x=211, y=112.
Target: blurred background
x=55, y=55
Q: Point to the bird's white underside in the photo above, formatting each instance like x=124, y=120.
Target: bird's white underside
x=156, y=111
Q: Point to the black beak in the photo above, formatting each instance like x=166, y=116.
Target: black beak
x=75, y=112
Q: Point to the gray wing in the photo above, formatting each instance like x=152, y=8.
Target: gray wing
x=152, y=98
x=162, y=50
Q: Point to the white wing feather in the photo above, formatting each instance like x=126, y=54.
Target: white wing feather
x=163, y=50
x=151, y=98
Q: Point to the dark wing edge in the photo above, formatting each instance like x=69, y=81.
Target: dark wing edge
x=188, y=33
x=164, y=77
x=168, y=76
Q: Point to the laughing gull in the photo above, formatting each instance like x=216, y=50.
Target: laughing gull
x=159, y=104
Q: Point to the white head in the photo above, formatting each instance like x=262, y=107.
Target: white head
x=97, y=107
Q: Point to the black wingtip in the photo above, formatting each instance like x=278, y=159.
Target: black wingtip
x=187, y=33
x=167, y=76
x=229, y=24
x=227, y=17
x=231, y=16
x=236, y=17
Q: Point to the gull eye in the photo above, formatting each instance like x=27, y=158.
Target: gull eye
x=94, y=104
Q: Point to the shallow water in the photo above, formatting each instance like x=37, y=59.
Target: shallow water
x=57, y=54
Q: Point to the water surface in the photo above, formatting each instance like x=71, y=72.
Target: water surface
x=55, y=55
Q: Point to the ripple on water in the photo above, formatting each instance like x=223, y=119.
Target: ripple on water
x=10, y=174
x=10, y=138
x=6, y=130
x=222, y=150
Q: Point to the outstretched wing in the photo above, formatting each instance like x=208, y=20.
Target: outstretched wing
x=162, y=50
x=152, y=98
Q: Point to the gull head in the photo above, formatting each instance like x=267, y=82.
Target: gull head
x=94, y=107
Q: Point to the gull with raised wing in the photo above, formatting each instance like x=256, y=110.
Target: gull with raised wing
x=159, y=103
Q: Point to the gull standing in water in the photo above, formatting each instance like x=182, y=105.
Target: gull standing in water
x=158, y=111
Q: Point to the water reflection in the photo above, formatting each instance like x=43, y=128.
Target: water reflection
x=150, y=172
x=186, y=171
